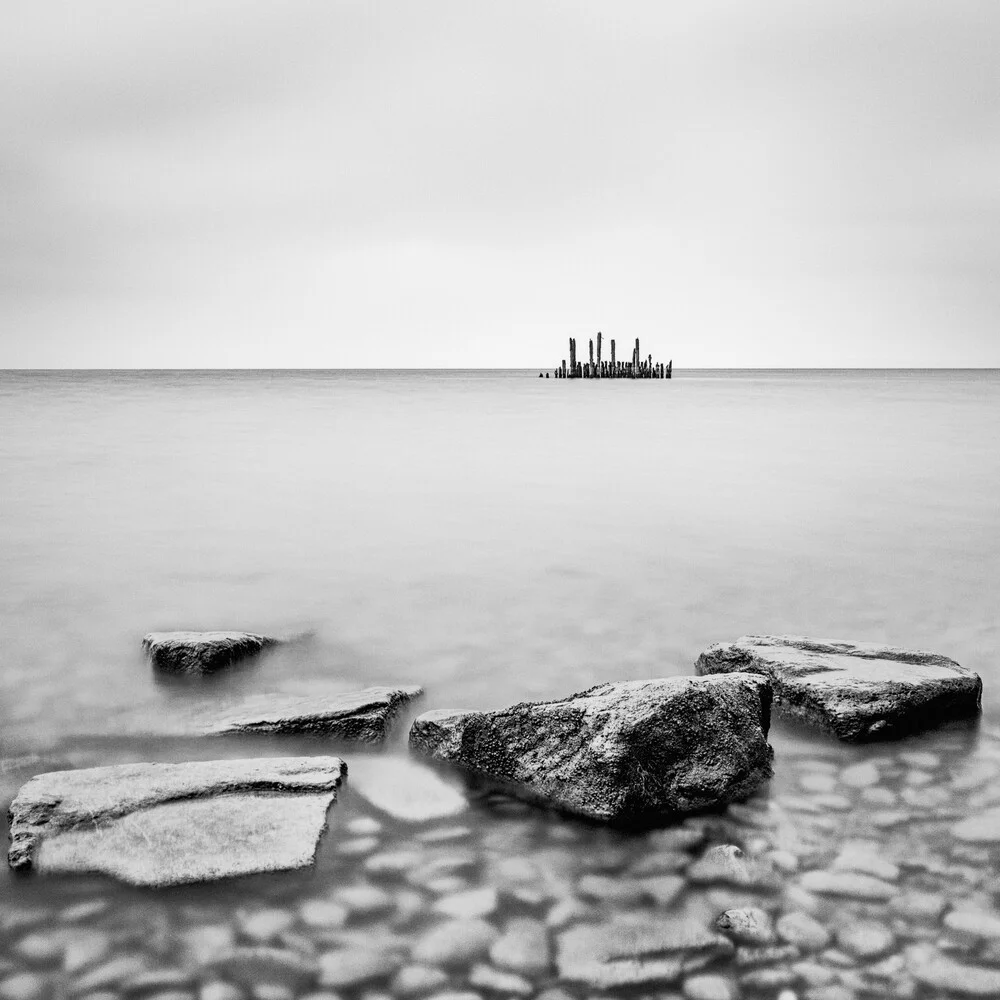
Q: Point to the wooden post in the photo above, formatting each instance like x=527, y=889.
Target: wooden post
x=613, y=357
x=572, y=357
x=599, y=335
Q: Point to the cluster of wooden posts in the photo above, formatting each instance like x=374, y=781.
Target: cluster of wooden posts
x=638, y=367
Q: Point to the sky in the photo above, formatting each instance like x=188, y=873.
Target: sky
x=243, y=183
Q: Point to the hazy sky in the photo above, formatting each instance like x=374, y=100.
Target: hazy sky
x=245, y=183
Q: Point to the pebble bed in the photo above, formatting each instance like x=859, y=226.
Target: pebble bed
x=857, y=873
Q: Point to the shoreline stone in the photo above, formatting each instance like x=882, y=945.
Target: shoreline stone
x=617, y=751
x=169, y=824
x=856, y=691
x=199, y=653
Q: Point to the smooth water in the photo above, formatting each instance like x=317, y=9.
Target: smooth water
x=497, y=537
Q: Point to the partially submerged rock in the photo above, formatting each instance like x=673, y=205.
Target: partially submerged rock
x=636, y=951
x=857, y=691
x=194, y=653
x=364, y=716
x=168, y=824
x=405, y=789
x=618, y=751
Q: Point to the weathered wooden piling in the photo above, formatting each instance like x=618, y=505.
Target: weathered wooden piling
x=597, y=367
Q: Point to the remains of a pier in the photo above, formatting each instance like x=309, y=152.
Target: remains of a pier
x=596, y=368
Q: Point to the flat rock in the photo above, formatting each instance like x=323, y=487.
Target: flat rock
x=362, y=716
x=634, y=951
x=849, y=884
x=618, y=751
x=168, y=824
x=983, y=828
x=196, y=653
x=931, y=968
x=404, y=789
x=856, y=691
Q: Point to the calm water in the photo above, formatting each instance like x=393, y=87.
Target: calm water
x=493, y=537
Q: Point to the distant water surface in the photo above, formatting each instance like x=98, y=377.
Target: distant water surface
x=497, y=537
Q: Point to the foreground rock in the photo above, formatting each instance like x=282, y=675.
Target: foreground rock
x=618, y=751
x=636, y=951
x=857, y=691
x=168, y=824
x=194, y=653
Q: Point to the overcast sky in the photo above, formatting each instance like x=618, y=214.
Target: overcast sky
x=245, y=183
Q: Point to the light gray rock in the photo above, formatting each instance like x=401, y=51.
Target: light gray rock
x=709, y=987
x=618, y=751
x=747, y=926
x=523, y=947
x=470, y=903
x=196, y=653
x=454, y=943
x=167, y=824
x=415, y=980
x=803, y=931
x=930, y=967
x=983, y=828
x=485, y=977
x=849, y=884
x=856, y=691
x=350, y=967
x=727, y=864
x=404, y=789
x=249, y=967
x=866, y=939
x=634, y=951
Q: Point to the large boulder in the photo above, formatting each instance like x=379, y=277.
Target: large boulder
x=196, y=653
x=168, y=824
x=856, y=691
x=620, y=751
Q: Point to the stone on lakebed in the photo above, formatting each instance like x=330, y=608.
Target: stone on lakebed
x=195, y=653
x=169, y=824
x=856, y=691
x=618, y=751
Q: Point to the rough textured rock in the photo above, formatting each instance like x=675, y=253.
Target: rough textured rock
x=618, y=751
x=167, y=824
x=634, y=951
x=365, y=716
x=857, y=691
x=361, y=716
x=194, y=653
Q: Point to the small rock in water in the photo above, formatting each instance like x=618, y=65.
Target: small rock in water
x=362, y=826
x=865, y=858
x=928, y=966
x=708, y=987
x=25, y=986
x=198, y=653
x=110, y=974
x=632, y=951
x=219, y=989
x=362, y=900
x=860, y=775
x=265, y=925
x=250, y=966
x=974, y=923
x=471, y=903
x=495, y=981
x=727, y=864
x=454, y=943
x=918, y=906
x=322, y=913
x=523, y=947
x=414, y=980
x=350, y=967
x=40, y=949
x=803, y=931
x=856, y=691
x=748, y=926
x=405, y=789
x=981, y=829
x=848, y=884
x=866, y=939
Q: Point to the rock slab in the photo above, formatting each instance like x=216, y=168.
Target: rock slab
x=856, y=691
x=196, y=653
x=618, y=751
x=636, y=951
x=169, y=824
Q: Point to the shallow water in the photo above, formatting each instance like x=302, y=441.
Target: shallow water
x=496, y=537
